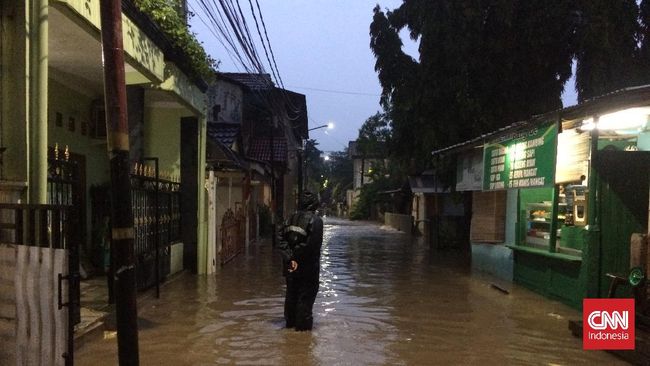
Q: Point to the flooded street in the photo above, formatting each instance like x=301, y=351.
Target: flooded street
x=383, y=300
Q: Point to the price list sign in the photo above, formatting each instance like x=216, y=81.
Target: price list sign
x=522, y=160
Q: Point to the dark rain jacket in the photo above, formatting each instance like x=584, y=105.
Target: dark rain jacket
x=306, y=253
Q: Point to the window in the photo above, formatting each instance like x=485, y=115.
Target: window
x=488, y=217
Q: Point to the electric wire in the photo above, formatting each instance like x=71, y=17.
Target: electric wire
x=229, y=21
x=269, y=42
x=257, y=25
x=336, y=91
x=216, y=35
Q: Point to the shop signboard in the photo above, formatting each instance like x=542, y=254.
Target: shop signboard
x=469, y=171
x=521, y=160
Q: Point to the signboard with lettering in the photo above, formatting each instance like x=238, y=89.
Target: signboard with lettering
x=521, y=160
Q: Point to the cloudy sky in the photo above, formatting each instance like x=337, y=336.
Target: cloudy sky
x=322, y=50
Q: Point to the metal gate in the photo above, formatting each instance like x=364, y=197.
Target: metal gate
x=156, y=220
x=38, y=269
x=65, y=188
x=233, y=229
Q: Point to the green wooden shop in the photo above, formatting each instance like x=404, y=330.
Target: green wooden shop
x=558, y=198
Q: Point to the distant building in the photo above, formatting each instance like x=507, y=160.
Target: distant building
x=362, y=167
x=255, y=134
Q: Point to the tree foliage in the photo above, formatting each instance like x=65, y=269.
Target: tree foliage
x=374, y=135
x=340, y=174
x=331, y=178
x=166, y=14
x=486, y=64
x=314, y=166
x=607, y=49
x=380, y=174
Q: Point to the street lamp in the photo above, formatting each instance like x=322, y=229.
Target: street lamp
x=329, y=126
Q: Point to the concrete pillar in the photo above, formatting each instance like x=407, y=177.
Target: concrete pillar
x=38, y=89
x=212, y=223
x=202, y=231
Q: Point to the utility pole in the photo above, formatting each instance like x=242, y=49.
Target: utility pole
x=273, y=203
x=301, y=173
x=117, y=136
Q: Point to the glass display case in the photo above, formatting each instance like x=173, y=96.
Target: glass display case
x=538, y=223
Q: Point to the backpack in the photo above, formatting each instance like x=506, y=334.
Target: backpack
x=298, y=228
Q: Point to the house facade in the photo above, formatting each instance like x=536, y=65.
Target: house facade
x=362, y=165
x=255, y=134
x=54, y=149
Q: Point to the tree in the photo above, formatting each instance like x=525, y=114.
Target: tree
x=382, y=174
x=644, y=38
x=477, y=62
x=313, y=165
x=643, y=56
x=340, y=174
x=607, y=48
x=374, y=135
x=486, y=64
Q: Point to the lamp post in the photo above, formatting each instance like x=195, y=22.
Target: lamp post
x=329, y=126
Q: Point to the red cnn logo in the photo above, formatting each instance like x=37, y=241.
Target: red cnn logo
x=608, y=324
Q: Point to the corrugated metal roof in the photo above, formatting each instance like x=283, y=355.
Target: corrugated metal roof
x=618, y=99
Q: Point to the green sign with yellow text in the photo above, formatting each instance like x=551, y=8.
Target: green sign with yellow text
x=521, y=160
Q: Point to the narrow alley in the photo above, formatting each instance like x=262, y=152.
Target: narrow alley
x=383, y=300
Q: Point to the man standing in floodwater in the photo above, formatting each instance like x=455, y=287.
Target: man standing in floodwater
x=300, y=244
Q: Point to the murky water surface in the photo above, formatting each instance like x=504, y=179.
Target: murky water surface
x=383, y=300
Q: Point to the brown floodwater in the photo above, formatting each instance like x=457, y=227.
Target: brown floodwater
x=383, y=300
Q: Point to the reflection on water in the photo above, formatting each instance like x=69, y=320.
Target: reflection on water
x=383, y=300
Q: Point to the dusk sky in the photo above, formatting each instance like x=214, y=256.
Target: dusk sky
x=322, y=44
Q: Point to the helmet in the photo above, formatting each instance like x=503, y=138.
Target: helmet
x=308, y=201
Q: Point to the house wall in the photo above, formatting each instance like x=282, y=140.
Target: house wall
x=162, y=131
x=366, y=164
x=66, y=105
x=229, y=97
x=147, y=65
x=497, y=260
x=14, y=90
x=266, y=194
x=162, y=136
x=357, y=173
x=290, y=185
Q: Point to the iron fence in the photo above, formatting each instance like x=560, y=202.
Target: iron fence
x=62, y=175
x=156, y=221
